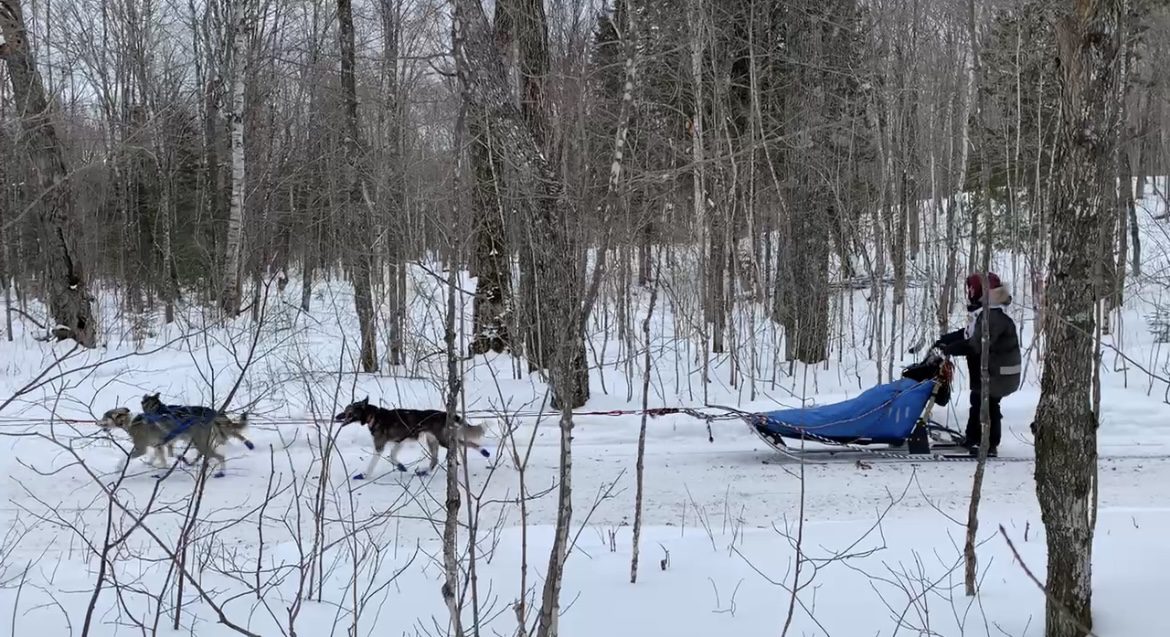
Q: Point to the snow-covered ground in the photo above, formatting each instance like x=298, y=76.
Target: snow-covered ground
x=880, y=540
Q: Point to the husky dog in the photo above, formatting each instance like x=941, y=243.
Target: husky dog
x=427, y=426
x=159, y=426
x=160, y=433
x=152, y=405
x=145, y=435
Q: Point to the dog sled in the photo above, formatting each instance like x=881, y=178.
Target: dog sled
x=896, y=414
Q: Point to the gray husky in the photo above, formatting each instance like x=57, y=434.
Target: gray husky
x=152, y=405
x=425, y=426
x=161, y=428
x=145, y=435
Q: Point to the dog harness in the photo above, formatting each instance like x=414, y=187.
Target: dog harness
x=186, y=416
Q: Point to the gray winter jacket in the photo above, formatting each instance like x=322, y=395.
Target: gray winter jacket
x=1004, y=361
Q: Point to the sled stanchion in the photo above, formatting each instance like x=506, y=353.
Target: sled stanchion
x=918, y=443
x=748, y=417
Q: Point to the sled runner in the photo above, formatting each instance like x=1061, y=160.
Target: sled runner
x=895, y=414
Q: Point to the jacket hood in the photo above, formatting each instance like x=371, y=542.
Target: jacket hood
x=999, y=297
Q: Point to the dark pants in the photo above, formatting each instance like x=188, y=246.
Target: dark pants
x=975, y=428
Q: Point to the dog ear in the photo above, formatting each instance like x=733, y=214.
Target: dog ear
x=364, y=401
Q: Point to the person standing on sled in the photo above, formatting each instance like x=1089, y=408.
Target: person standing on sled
x=1004, y=361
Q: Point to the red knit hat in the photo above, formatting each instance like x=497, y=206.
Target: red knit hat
x=975, y=285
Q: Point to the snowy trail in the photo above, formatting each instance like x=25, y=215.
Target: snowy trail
x=735, y=476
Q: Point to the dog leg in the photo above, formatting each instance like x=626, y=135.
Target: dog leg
x=160, y=456
x=162, y=459
x=232, y=429
x=239, y=436
x=374, y=461
x=472, y=438
x=238, y=430
x=474, y=445
x=206, y=443
x=182, y=455
x=433, y=451
x=394, y=456
x=137, y=452
x=220, y=462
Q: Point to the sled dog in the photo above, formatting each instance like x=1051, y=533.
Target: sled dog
x=193, y=416
x=160, y=426
x=424, y=426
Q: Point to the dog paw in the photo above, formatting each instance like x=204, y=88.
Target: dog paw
x=485, y=453
x=218, y=474
x=421, y=473
x=360, y=476
x=250, y=445
x=401, y=467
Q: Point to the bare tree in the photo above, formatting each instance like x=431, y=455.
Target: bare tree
x=240, y=31
x=640, y=465
x=358, y=195
x=493, y=288
x=451, y=571
x=391, y=114
x=68, y=294
x=1088, y=41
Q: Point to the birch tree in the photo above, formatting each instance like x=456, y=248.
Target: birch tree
x=240, y=29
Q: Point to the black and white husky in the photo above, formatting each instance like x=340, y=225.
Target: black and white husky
x=424, y=426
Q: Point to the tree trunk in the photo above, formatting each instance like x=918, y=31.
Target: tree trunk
x=529, y=42
x=640, y=464
x=210, y=72
x=451, y=567
x=1123, y=210
x=958, y=174
x=555, y=280
x=1129, y=151
x=697, y=28
x=970, y=572
x=819, y=121
x=6, y=202
x=717, y=275
x=68, y=295
x=1066, y=437
x=397, y=235
x=493, y=287
x=170, y=283
x=229, y=299
x=358, y=204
